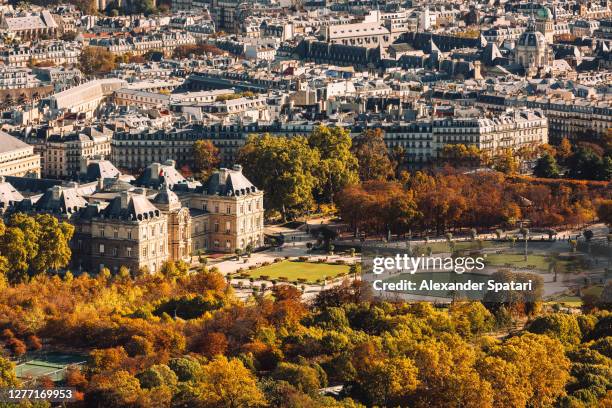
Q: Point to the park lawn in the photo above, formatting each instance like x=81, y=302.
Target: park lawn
x=594, y=290
x=570, y=301
x=540, y=262
x=442, y=247
x=294, y=270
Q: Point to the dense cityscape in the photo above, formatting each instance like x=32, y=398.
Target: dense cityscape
x=305, y=204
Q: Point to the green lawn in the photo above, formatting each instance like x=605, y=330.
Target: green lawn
x=294, y=270
x=442, y=247
x=540, y=262
x=569, y=301
x=594, y=290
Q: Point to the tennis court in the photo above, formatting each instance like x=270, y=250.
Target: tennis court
x=52, y=365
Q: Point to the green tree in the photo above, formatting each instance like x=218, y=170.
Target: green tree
x=372, y=155
x=285, y=169
x=337, y=166
x=564, y=150
x=205, y=158
x=587, y=164
x=563, y=327
x=303, y=377
x=604, y=212
x=546, y=166
x=186, y=369
x=156, y=376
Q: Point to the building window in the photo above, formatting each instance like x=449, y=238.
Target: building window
x=229, y=209
x=128, y=251
x=216, y=226
x=101, y=232
x=129, y=234
x=115, y=233
x=216, y=208
x=227, y=244
x=101, y=248
x=115, y=251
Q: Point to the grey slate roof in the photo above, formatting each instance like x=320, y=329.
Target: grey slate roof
x=131, y=207
x=57, y=199
x=226, y=182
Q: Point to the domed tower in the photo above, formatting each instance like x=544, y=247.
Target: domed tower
x=545, y=23
x=532, y=50
x=179, y=224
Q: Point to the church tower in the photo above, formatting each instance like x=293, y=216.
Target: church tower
x=545, y=23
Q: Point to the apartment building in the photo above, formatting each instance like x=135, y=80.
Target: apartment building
x=61, y=155
x=566, y=117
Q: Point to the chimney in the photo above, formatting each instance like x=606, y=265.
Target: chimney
x=125, y=199
x=56, y=192
x=222, y=175
x=155, y=170
x=84, y=163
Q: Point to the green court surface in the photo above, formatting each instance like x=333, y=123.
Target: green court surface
x=51, y=364
x=294, y=270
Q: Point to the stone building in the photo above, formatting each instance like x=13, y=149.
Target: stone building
x=533, y=51
x=17, y=158
x=130, y=231
x=229, y=212
x=179, y=224
x=29, y=26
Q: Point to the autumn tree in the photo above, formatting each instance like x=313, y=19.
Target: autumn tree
x=35, y=245
x=119, y=389
x=7, y=373
x=378, y=206
x=461, y=155
x=372, y=155
x=96, y=61
x=337, y=166
x=506, y=162
x=285, y=169
x=389, y=381
x=222, y=383
x=205, y=158
x=543, y=366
